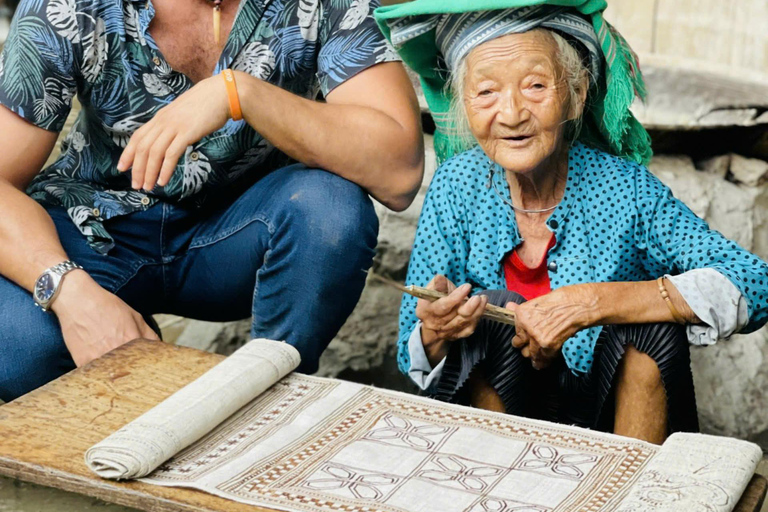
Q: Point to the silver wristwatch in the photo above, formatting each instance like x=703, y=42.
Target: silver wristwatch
x=48, y=284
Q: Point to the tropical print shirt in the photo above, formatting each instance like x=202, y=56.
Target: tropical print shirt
x=102, y=51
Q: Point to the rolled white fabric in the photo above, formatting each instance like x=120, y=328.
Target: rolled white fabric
x=694, y=472
x=143, y=445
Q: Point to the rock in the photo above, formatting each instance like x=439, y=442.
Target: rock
x=760, y=223
x=717, y=165
x=728, y=208
x=730, y=378
x=679, y=173
x=687, y=98
x=219, y=337
x=731, y=382
x=749, y=171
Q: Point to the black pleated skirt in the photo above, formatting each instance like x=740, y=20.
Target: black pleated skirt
x=556, y=393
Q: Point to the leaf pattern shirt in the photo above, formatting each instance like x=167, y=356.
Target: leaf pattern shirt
x=102, y=51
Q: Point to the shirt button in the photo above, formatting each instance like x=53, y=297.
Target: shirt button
x=156, y=60
x=552, y=266
x=145, y=200
x=194, y=156
x=96, y=212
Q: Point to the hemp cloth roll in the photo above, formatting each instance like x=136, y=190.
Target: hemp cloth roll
x=143, y=445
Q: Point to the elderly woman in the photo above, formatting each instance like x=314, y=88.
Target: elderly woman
x=553, y=215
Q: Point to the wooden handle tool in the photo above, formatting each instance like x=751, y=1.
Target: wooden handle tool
x=492, y=312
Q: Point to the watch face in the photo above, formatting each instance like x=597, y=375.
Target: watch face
x=44, y=288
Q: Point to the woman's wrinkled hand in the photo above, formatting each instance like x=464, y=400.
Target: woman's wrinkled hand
x=449, y=318
x=543, y=324
x=154, y=149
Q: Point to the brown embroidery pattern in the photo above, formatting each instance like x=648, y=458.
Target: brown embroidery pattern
x=274, y=408
x=380, y=451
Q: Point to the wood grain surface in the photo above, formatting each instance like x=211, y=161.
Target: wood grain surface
x=44, y=435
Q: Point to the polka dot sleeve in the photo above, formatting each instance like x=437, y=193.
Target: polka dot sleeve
x=440, y=248
x=675, y=240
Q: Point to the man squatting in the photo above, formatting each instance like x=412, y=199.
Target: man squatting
x=162, y=203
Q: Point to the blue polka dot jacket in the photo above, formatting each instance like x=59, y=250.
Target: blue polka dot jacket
x=616, y=222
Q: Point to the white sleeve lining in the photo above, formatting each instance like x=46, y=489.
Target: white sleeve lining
x=715, y=300
x=421, y=372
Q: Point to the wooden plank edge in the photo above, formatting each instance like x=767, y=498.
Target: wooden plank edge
x=754, y=495
x=100, y=489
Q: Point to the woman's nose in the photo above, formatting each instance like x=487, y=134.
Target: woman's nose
x=513, y=111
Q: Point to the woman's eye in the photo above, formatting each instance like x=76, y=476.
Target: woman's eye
x=485, y=92
x=538, y=86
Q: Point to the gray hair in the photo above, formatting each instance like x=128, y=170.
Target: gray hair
x=574, y=73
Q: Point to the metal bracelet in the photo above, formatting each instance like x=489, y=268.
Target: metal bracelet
x=64, y=267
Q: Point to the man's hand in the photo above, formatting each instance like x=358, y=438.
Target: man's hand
x=94, y=321
x=449, y=318
x=543, y=324
x=155, y=148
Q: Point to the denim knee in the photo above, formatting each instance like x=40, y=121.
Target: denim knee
x=328, y=212
x=32, y=349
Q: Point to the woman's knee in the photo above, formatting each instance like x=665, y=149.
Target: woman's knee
x=640, y=369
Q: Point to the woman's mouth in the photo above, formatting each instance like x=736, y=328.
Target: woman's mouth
x=518, y=140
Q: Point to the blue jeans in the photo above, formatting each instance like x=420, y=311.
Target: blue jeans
x=291, y=251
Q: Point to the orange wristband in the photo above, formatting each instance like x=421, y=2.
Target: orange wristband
x=235, y=112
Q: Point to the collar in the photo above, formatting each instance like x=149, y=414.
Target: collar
x=509, y=235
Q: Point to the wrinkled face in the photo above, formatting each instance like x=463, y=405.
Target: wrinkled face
x=515, y=101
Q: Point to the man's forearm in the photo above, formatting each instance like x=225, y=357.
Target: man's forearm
x=29, y=243
x=359, y=143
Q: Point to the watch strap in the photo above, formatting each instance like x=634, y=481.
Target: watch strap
x=64, y=267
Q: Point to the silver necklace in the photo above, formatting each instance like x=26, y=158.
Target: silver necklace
x=509, y=202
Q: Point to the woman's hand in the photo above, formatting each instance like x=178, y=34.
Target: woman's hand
x=449, y=318
x=154, y=149
x=543, y=324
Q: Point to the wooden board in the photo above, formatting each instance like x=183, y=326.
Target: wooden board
x=44, y=435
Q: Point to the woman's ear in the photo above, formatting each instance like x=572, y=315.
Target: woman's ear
x=577, y=106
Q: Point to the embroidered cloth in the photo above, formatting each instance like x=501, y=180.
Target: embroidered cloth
x=315, y=444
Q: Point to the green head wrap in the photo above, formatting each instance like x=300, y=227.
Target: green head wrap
x=608, y=123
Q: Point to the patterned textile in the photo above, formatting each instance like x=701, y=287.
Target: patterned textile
x=608, y=122
x=616, y=222
x=314, y=444
x=140, y=447
x=102, y=52
x=457, y=34
x=309, y=444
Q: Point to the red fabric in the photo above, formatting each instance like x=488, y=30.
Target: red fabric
x=528, y=282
